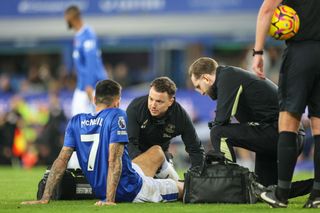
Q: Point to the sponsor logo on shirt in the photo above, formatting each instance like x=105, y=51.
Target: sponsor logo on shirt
x=91, y=122
x=89, y=45
x=121, y=132
x=165, y=135
x=144, y=124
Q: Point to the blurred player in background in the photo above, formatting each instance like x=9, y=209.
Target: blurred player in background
x=100, y=141
x=88, y=64
x=153, y=120
x=87, y=61
x=299, y=86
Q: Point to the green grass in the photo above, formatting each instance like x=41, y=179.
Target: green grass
x=18, y=185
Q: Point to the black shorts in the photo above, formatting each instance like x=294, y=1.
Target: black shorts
x=299, y=80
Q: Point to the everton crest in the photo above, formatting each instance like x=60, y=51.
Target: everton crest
x=170, y=128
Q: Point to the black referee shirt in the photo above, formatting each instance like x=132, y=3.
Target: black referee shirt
x=308, y=12
x=145, y=130
x=242, y=94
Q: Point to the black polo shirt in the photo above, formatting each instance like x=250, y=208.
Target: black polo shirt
x=241, y=94
x=145, y=130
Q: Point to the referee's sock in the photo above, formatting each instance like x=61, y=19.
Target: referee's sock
x=287, y=157
x=316, y=158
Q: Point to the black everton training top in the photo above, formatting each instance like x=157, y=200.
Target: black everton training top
x=145, y=130
x=242, y=94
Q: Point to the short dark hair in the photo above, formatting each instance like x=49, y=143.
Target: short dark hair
x=74, y=11
x=202, y=66
x=164, y=84
x=107, y=91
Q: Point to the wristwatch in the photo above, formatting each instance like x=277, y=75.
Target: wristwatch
x=255, y=52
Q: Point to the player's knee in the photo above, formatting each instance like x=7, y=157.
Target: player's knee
x=156, y=153
x=155, y=149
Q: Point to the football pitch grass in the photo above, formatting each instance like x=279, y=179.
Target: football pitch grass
x=17, y=185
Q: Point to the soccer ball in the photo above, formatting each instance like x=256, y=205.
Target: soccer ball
x=284, y=23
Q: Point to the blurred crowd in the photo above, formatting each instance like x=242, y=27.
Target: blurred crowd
x=32, y=134
x=32, y=131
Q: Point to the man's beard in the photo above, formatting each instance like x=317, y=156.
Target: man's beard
x=212, y=93
x=69, y=25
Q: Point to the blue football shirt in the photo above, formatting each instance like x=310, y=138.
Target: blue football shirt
x=87, y=59
x=91, y=135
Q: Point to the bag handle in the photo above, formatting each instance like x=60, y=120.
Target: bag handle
x=213, y=156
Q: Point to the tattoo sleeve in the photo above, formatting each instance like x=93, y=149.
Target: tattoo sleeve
x=114, y=170
x=57, y=170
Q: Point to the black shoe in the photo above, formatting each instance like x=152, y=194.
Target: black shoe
x=269, y=196
x=312, y=203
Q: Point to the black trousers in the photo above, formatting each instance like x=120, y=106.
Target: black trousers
x=259, y=138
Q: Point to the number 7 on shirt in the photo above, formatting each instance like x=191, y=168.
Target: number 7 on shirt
x=93, y=152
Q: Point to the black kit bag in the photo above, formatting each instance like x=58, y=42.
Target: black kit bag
x=73, y=186
x=221, y=181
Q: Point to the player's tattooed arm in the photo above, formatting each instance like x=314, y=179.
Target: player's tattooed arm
x=114, y=171
x=57, y=170
x=56, y=173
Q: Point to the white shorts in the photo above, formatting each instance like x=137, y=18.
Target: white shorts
x=73, y=162
x=155, y=190
x=81, y=103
